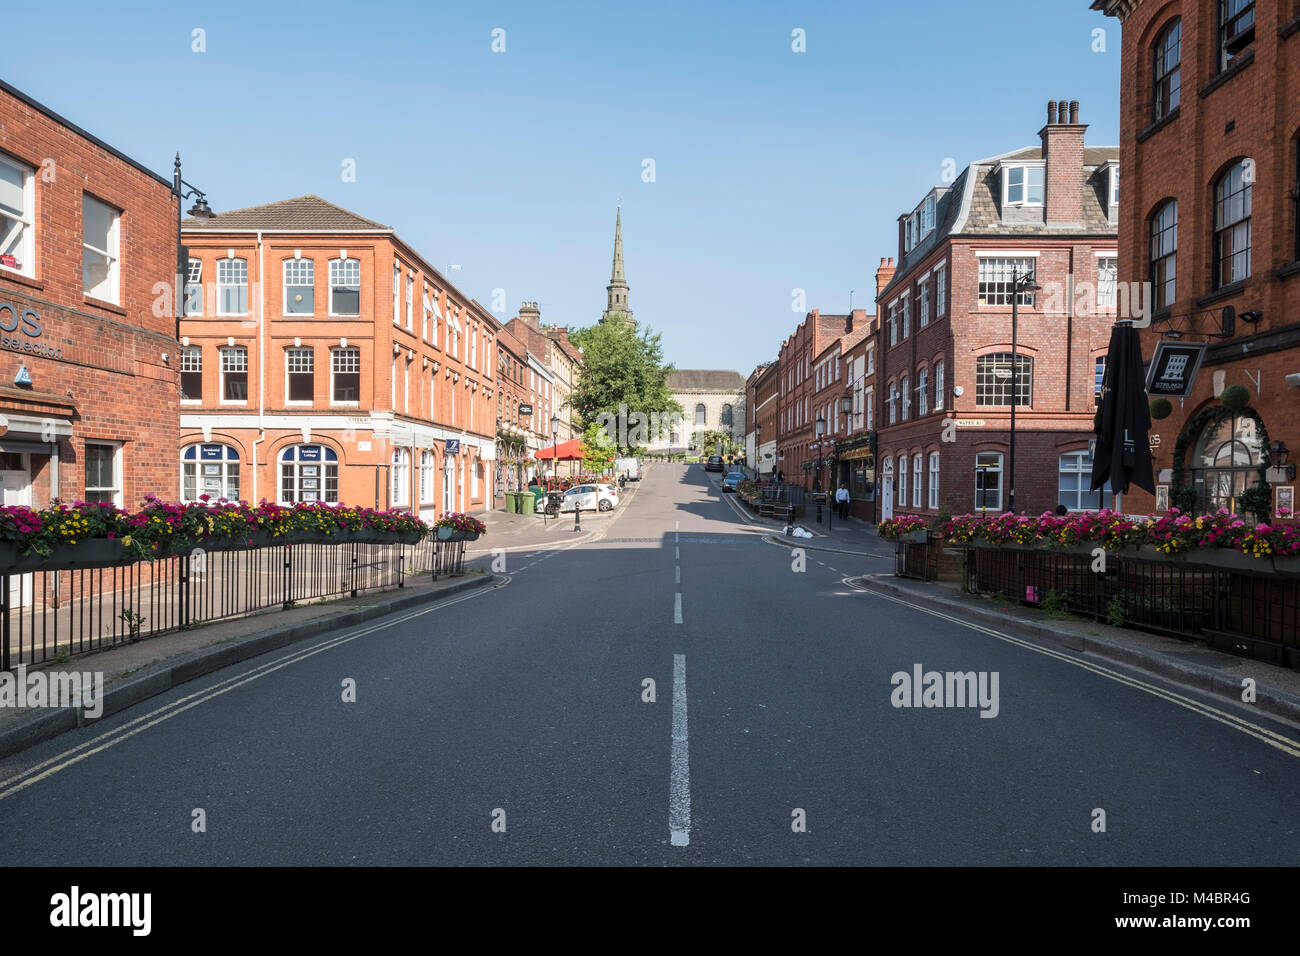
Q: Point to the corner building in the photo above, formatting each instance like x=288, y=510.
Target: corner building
x=322, y=359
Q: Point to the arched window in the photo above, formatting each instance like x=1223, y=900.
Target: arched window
x=905, y=388
x=902, y=481
x=700, y=414
x=1164, y=254
x=1226, y=462
x=211, y=470
x=993, y=379
x=923, y=392
x=725, y=420
x=401, y=476
x=1166, y=70
x=917, y=477
x=1232, y=194
x=309, y=473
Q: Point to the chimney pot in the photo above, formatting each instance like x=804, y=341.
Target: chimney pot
x=1074, y=112
x=1062, y=111
x=1051, y=112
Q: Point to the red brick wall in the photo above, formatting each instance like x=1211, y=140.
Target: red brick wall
x=112, y=367
x=1253, y=111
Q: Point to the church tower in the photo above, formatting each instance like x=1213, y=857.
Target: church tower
x=616, y=305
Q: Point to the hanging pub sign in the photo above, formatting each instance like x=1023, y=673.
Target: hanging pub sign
x=1173, y=368
x=453, y=446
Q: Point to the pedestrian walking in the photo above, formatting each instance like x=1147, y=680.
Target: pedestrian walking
x=842, y=502
x=780, y=477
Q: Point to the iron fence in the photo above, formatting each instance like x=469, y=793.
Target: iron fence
x=51, y=615
x=1255, y=614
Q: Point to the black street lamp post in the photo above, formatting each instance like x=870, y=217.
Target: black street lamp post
x=1022, y=283
x=821, y=430
x=200, y=211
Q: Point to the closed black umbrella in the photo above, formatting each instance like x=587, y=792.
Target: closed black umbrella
x=1123, y=454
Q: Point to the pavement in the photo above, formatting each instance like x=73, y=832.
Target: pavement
x=679, y=689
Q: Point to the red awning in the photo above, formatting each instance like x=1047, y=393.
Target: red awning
x=567, y=451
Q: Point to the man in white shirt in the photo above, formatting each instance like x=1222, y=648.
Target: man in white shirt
x=842, y=502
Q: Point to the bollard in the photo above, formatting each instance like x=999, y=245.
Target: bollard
x=577, y=517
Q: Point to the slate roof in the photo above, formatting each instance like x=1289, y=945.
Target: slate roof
x=971, y=206
x=305, y=213
x=706, y=380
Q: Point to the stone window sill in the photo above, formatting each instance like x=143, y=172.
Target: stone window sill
x=1240, y=64
x=1225, y=292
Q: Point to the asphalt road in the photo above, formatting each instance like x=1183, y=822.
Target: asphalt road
x=522, y=706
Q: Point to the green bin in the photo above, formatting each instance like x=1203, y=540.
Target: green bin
x=512, y=502
x=527, y=503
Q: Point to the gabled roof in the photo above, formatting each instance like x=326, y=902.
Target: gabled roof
x=706, y=380
x=303, y=214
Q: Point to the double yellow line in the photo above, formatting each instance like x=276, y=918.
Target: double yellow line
x=1273, y=739
x=89, y=748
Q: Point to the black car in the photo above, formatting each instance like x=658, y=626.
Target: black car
x=714, y=463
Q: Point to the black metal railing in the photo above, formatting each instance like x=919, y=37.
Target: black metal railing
x=52, y=615
x=1256, y=614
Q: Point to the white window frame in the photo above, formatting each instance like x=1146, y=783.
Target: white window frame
x=116, y=488
x=112, y=253
x=922, y=392
x=24, y=224
x=940, y=290
x=1078, y=459
x=905, y=391
x=289, y=355
x=907, y=316
x=893, y=409
x=410, y=302
x=426, y=476
x=323, y=477
x=918, y=480
x=335, y=354
x=933, y=496
x=297, y=265
x=999, y=469
x=1107, y=280
x=193, y=283
x=236, y=274
x=397, y=293
x=349, y=265
x=924, y=306
x=902, y=481
x=1020, y=264
x=401, y=479
x=192, y=361
x=940, y=396
x=869, y=402
x=228, y=466
x=1023, y=168
x=222, y=354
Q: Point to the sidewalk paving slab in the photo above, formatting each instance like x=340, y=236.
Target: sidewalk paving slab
x=137, y=671
x=1189, y=663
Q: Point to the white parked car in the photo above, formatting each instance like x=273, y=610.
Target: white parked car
x=590, y=498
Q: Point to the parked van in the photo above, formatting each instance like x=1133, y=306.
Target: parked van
x=629, y=467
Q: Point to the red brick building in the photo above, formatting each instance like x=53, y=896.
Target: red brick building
x=1210, y=130
x=762, y=394
x=945, y=364
x=88, y=396
x=796, y=415
x=855, y=456
x=322, y=359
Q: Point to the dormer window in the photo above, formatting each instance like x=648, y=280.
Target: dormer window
x=1023, y=185
x=919, y=224
x=1113, y=169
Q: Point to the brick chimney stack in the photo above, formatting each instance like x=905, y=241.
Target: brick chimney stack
x=884, y=274
x=1063, y=157
x=530, y=315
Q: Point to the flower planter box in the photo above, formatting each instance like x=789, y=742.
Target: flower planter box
x=1288, y=567
x=444, y=533
x=90, y=553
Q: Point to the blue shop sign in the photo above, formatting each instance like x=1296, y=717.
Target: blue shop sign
x=453, y=446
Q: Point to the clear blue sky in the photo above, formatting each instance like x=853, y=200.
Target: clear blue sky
x=774, y=169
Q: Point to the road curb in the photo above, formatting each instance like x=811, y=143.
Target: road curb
x=803, y=543
x=159, y=678
x=1196, y=676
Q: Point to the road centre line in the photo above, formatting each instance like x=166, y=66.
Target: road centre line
x=679, y=775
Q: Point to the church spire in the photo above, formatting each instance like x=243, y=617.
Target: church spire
x=616, y=305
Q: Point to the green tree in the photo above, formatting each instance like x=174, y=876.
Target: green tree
x=623, y=372
x=597, y=448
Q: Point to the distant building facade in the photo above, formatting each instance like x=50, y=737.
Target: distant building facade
x=711, y=400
